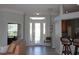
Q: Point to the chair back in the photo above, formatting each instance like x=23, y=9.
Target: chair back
x=76, y=42
x=65, y=41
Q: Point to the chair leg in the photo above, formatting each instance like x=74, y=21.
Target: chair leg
x=70, y=50
x=76, y=48
x=66, y=50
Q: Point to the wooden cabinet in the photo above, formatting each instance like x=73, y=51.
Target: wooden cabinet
x=64, y=26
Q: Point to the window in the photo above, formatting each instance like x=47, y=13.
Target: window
x=30, y=31
x=12, y=30
x=44, y=28
x=37, y=18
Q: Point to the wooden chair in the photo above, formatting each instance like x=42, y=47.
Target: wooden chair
x=66, y=46
x=76, y=44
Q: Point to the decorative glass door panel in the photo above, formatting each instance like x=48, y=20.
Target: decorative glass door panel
x=37, y=33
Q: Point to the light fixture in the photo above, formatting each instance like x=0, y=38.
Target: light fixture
x=37, y=18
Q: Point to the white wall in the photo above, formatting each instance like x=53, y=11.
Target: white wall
x=52, y=34
x=3, y=36
x=57, y=34
x=27, y=27
x=48, y=26
x=5, y=18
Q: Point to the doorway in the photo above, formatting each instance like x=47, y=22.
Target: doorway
x=37, y=32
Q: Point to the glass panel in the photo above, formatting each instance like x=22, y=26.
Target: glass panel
x=30, y=31
x=12, y=30
x=37, y=33
x=44, y=24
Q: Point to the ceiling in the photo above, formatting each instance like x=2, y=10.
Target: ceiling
x=42, y=9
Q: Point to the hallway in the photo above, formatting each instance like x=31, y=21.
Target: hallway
x=40, y=50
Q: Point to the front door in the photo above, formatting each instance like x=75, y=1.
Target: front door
x=37, y=33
